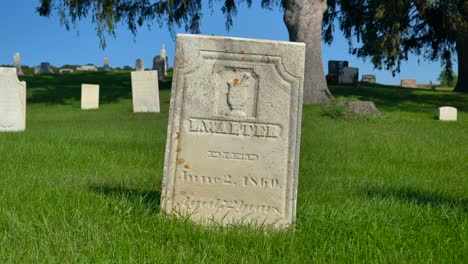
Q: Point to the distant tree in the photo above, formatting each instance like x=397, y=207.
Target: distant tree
x=387, y=31
x=27, y=70
x=303, y=19
x=447, y=78
x=69, y=66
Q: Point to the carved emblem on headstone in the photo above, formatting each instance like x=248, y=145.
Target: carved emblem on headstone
x=237, y=94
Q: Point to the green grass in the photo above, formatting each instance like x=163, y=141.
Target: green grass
x=84, y=186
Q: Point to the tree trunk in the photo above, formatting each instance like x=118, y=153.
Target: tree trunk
x=462, y=54
x=303, y=18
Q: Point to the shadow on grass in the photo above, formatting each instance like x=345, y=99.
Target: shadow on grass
x=61, y=88
x=150, y=199
x=410, y=195
x=396, y=98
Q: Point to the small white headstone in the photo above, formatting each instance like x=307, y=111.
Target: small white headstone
x=232, y=153
x=145, y=91
x=17, y=62
x=89, y=96
x=12, y=101
x=447, y=113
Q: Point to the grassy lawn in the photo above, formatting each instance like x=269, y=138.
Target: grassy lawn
x=84, y=186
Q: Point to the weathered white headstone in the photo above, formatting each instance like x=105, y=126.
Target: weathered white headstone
x=232, y=152
x=447, y=113
x=139, y=65
x=145, y=91
x=17, y=63
x=12, y=101
x=89, y=96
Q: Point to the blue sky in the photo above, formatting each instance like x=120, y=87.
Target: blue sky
x=41, y=39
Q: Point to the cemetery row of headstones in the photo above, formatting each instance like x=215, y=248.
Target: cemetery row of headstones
x=160, y=64
x=145, y=93
x=234, y=129
x=13, y=97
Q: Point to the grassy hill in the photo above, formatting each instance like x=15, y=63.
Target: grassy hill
x=84, y=186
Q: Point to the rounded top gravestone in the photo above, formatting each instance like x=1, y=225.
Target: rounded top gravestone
x=447, y=113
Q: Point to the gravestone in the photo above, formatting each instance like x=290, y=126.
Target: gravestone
x=17, y=63
x=139, y=65
x=106, y=66
x=159, y=65
x=90, y=68
x=370, y=78
x=89, y=96
x=43, y=68
x=408, y=83
x=12, y=101
x=348, y=75
x=232, y=152
x=66, y=71
x=447, y=113
x=145, y=91
x=334, y=67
